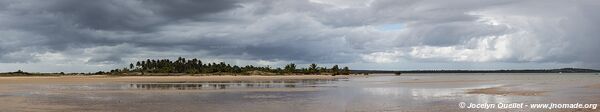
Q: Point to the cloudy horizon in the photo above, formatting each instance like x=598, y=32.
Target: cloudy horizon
x=94, y=35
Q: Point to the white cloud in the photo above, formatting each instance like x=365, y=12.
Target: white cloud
x=344, y=4
x=476, y=50
x=383, y=57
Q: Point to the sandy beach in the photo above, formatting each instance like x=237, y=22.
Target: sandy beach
x=315, y=93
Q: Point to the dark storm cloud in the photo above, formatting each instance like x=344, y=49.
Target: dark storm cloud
x=301, y=51
x=130, y=14
x=56, y=26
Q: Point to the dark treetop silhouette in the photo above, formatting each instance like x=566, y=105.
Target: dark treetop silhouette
x=195, y=66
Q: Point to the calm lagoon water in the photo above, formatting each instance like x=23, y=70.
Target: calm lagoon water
x=412, y=92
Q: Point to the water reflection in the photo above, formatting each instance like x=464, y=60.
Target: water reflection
x=414, y=93
x=213, y=85
x=426, y=94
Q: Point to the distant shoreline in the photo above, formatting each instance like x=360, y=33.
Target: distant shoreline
x=34, y=74
x=352, y=72
x=562, y=70
x=107, y=78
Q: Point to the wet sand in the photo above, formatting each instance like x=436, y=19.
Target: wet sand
x=504, y=91
x=409, y=92
x=593, y=86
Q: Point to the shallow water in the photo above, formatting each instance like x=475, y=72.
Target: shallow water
x=413, y=92
x=213, y=85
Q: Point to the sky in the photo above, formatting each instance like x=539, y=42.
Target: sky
x=93, y=35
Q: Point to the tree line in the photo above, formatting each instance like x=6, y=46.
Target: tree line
x=196, y=66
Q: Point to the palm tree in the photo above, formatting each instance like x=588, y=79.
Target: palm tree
x=290, y=68
x=312, y=68
x=181, y=65
x=346, y=71
x=335, y=69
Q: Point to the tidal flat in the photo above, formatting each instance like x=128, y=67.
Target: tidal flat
x=312, y=93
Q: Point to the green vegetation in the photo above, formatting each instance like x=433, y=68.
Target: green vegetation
x=22, y=73
x=397, y=73
x=195, y=66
